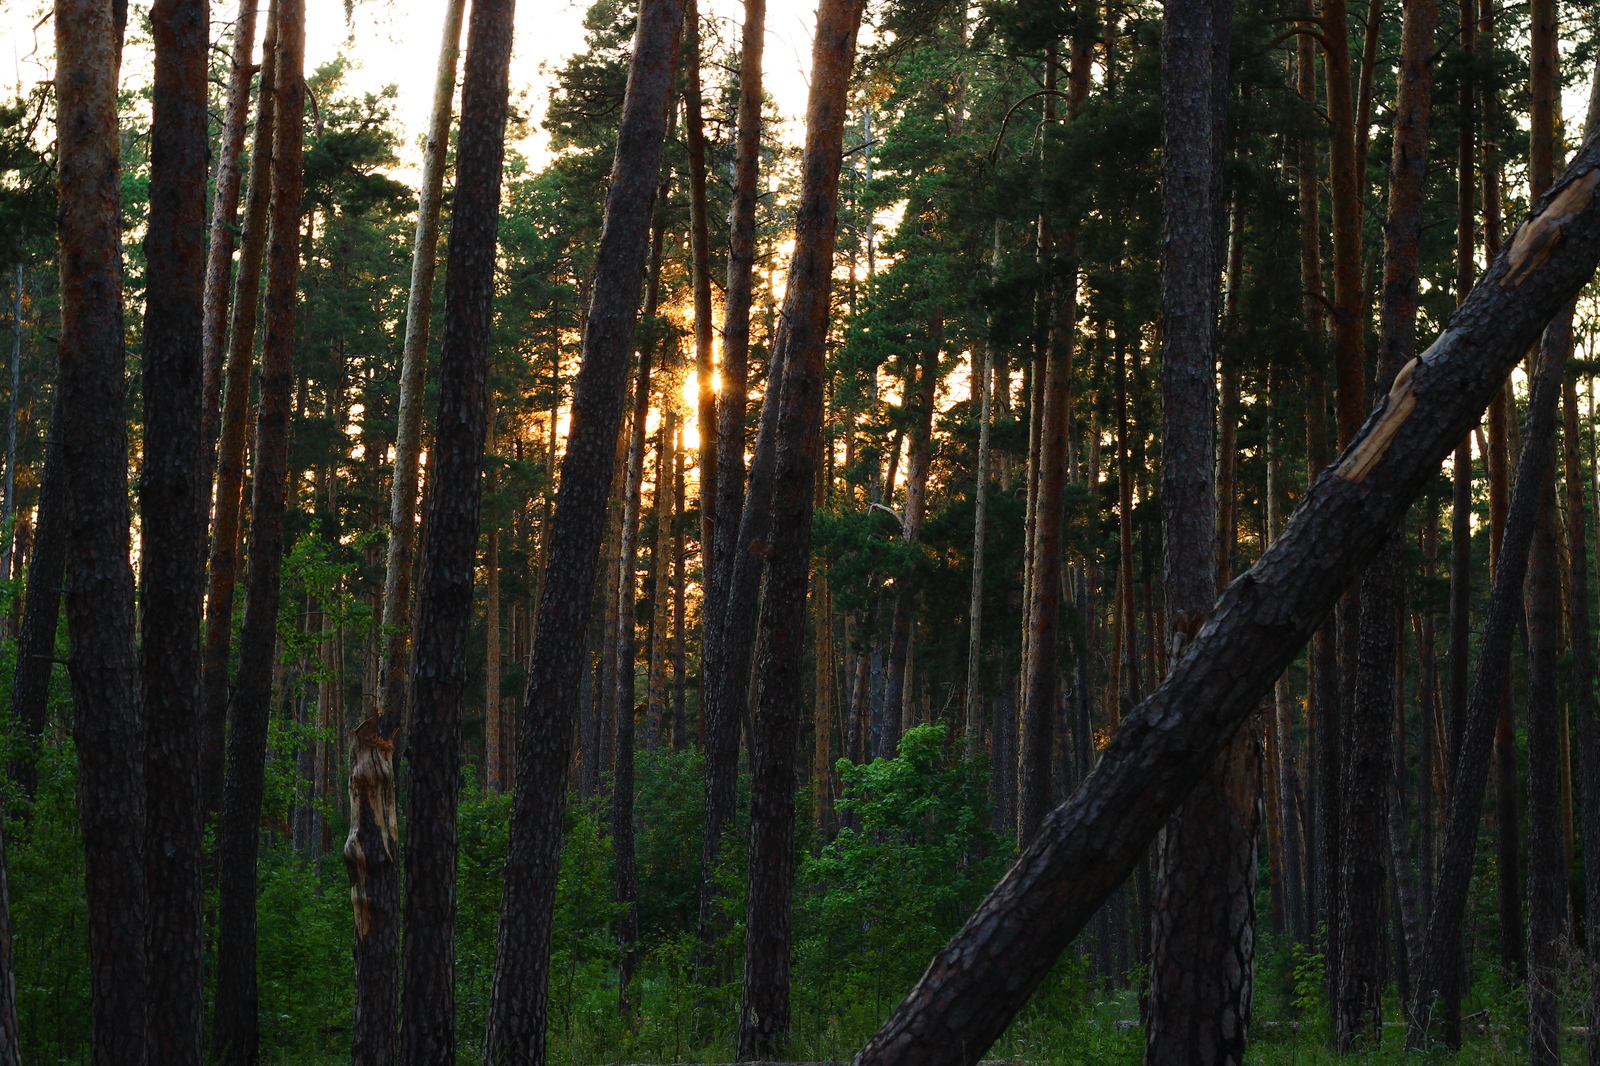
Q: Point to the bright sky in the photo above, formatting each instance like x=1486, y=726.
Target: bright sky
x=397, y=42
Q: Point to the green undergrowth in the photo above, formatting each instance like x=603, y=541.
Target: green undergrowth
x=916, y=855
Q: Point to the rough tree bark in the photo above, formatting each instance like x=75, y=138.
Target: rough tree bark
x=174, y=489
x=223, y=570
x=976, y=984
x=520, y=997
x=99, y=593
x=1203, y=912
x=764, y=1007
x=236, y=1027
x=444, y=595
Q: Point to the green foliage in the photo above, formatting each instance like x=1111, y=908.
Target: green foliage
x=877, y=902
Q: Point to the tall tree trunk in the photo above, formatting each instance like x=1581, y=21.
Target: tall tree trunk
x=174, y=488
x=1203, y=915
x=661, y=577
x=236, y=1027
x=1547, y=875
x=1583, y=690
x=1323, y=705
x=901, y=630
x=764, y=1008
x=444, y=595
x=520, y=997
x=101, y=661
x=392, y=677
x=41, y=610
x=1370, y=728
x=1547, y=886
x=976, y=984
x=225, y=214
x=720, y=725
x=493, y=724
x=973, y=693
x=627, y=627
x=223, y=568
x=700, y=277
x=680, y=662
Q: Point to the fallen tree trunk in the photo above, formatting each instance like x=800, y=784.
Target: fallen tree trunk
x=1087, y=846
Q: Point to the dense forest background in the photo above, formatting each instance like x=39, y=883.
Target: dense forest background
x=997, y=284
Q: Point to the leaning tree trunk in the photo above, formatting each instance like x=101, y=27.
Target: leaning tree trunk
x=230, y=457
x=519, y=1001
x=236, y=1028
x=1560, y=226
x=225, y=214
x=1203, y=914
x=719, y=726
x=978, y=982
x=392, y=676
x=444, y=595
x=764, y=1007
x=99, y=594
x=174, y=489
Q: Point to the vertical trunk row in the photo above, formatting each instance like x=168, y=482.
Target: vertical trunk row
x=1437, y=1015
x=99, y=593
x=764, y=1007
x=520, y=996
x=236, y=1028
x=173, y=490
